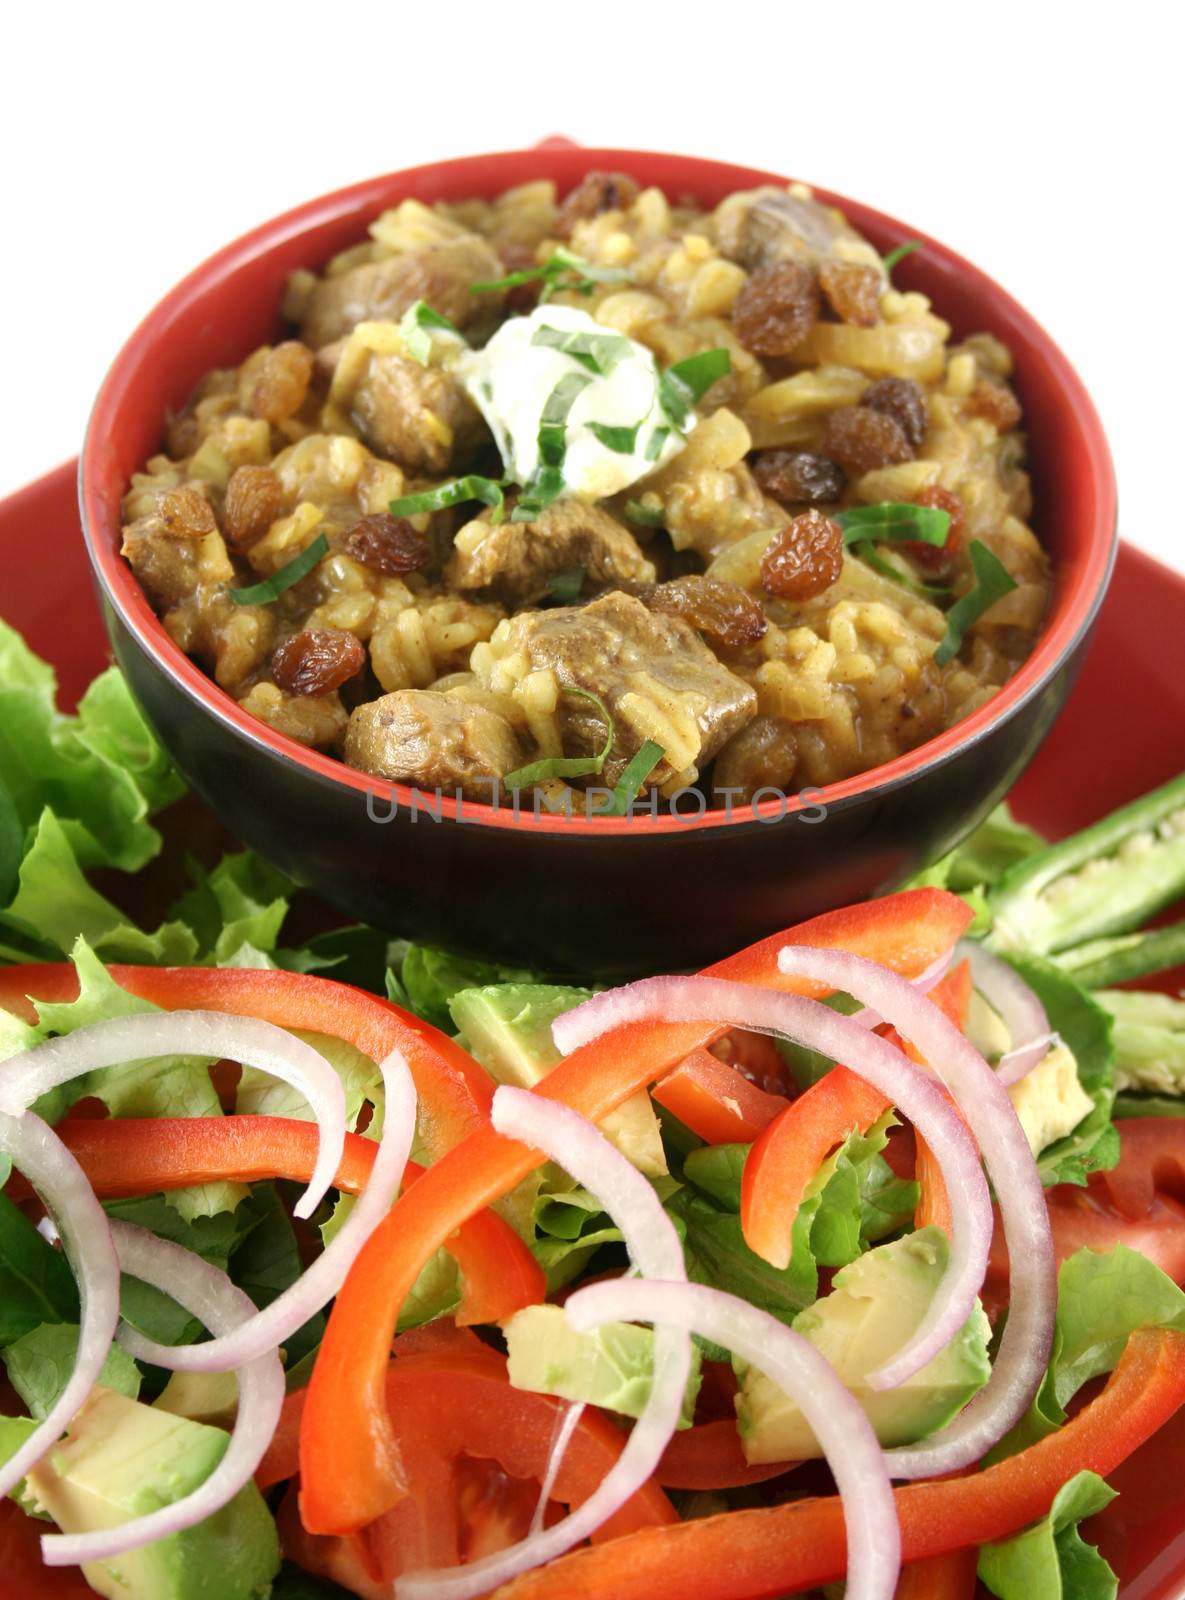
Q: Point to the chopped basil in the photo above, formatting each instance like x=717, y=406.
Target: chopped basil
x=548, y=483
x=599, y=352
x=656, y=443
x=899, y=254
x=453, y=493
x=644, y=516
x=565, y=587
x=887, y=569
x=992, y=582
x=682, y=386
x=623, y=440
x=561, y=264
x=641, y=765
x=414, y=326
x=260, y=594
x=892, y=520
x=566, y=766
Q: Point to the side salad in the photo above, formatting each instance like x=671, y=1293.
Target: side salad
x=335, y=1265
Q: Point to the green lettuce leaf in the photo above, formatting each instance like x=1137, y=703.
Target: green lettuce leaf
x=1086, y=1027
x=242, y=902
x=1050, y=1559
x=266, y=1260
x=101, y=772
x=211, y=1237
x=427, y=978
x=36, y=1283
x=40, y=1363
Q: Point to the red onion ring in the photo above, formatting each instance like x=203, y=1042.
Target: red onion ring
x=583, y=1151
x=983, y=1100
x=1019, y=1009
x=900, y=1080
x=251, y=1337
x=215, y=1034
x=36, y=1151
x=208, y=1294
x=849, y=1443
x=923, y=983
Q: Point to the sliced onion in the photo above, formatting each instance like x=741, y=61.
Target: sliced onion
x=983, y=1100
x=567, y=1423
x=923, y=983
x=208, y=1294
x=911, y=1089
x=36, y=1151
x=318, y=1284
x=804, y=1374
x=1020, y=1010
x=192, y=1033
x=654, y=1248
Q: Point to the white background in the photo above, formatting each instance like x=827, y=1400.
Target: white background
x=1041, y=140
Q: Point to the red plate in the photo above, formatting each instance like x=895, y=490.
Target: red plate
x=1123, y=732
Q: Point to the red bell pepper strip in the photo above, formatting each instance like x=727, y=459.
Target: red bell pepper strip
x=948, y=1577
x=716, y=1101
x=454, y=1092
x=350, y=1467
x=709, y=1456
x=144, y=1155
x=790, y=1152
x=742, y=1555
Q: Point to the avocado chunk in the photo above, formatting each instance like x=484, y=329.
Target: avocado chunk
x=874, y=1306
x=210, y=1397
x=611, y=1366
x=1050, y=1100
x=122, y=1459
x=507, y=1027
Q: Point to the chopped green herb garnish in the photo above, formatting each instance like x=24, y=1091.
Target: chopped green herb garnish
x=887, y=569
x=681, y=387
x=414, y=326
x=261, y=594
x=546, y=486
x=566, y=766
x=623, y=440
x=641, y=765
x=894, y=520
x=899, y=254
x=565, y=587
x=548, y=483
x=656, y=443
x=644, y=516
x=599, y=352
x=453, y=493
x=561, y=264
x=992, y=582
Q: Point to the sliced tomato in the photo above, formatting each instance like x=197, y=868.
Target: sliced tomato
x=1152, y=1160
x=23, y=1574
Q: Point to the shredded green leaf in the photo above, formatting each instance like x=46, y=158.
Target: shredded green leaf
x=564, y=587
x=453, y=493
x=623, y=440
x=600, y=353
x=553, y=424
x=262, y=594
x=894, y=520
x=560, y=265
x=683, y=386
x=878, y=563
x=566, y=766
x=656, y=443
x=414, y=326
x=992, y=582
x=641, y=765
x=644, y=516
x=899, y=254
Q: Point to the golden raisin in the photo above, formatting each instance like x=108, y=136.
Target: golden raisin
x=803, y=558
x=776, y=309
x=796, y=477
x=282, y=382
x=935, y=557
x=596, y=192
x=385, y=544
x=185, y=513
x=723, y=612
x=317, y=661
x=254, y=499
x=763, y=755
x=861, y=439
x=853, y=291
x=997, y=403
x=904, y=401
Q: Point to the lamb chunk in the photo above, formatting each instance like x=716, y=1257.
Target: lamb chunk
x=418, y=416
x=422, y=737
x=654, y=673
x=382, y=291
x=760, y=226
x=516, y=561
x=173, y=558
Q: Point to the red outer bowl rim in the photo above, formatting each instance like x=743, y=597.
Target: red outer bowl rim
x=1087, y=584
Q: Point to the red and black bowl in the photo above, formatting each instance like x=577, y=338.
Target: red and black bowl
x=586, y=894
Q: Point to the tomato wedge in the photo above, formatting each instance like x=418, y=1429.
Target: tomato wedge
x=26, y=1577
x=948, y=1577
x=709, y=1456
x=741, y=1555
x=1152, y=1159
x=350, y=1464
x=454, y=1092
x=144, y=1155
x=716, y=1101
